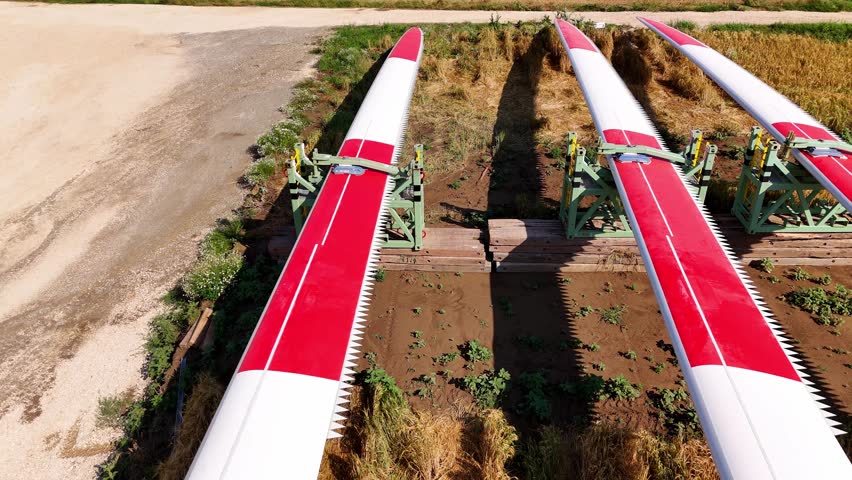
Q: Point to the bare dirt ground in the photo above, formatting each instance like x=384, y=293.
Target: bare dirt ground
x=120, y=147
x=534, y=323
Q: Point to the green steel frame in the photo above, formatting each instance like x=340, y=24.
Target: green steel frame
x=590, y=206
x=405, y=227
x=775, y=194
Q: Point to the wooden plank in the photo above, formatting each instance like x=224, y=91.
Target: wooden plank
x=565, y=249
x=519, y=267
x=795, y=253
x=485, y=268
x=616, y=258
x=414, y=260
x=807, y=261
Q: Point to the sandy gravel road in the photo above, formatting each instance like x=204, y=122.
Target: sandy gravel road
x=167, y=19
x=123, y=129
x=119, y=148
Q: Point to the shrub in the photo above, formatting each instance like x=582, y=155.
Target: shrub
x=280, y=139
x=222, y=238
x=211, y=276
x=111, y=409
x=260, y=172
x=473, y=351
x=488, y=387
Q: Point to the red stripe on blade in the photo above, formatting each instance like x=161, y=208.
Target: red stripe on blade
x=677, y=36
x=408, y=47
x=710, y=306
x=322, y=283
x=574, y=37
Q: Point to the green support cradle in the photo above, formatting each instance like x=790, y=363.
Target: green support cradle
x=405, y=227
x=590, y=206
x=777, y=195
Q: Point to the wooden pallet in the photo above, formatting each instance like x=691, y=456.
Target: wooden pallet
x=541, y=246
x=445, y=250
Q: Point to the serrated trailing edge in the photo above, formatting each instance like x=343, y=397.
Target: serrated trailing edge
x=775, y=112
x=758, y=413
x=290, y=391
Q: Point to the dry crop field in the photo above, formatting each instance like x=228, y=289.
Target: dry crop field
x=514, y=375
x=540, y=5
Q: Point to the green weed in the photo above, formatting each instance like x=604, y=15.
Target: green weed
x=473, y=351
x=612, y=315
x=488, y=387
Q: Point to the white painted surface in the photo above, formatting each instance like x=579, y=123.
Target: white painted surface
x=258, y=415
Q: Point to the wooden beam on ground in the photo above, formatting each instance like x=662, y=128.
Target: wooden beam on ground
x=444, y=250
x=540, y=246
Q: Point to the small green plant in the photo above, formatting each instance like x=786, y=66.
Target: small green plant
x=764, y=265
x=675, y=410
x=379, y=276
x=488, y=387
x=608, y=287
x=260, y=172
x=417, y=334
x=630, y=355
x=823, y=280
x=532, y=342
x=371, y=358
x=633, y=287
x=428, y=382
x=565, y=280
x=442, y=312
x=800, y=274
x=535, y=402
x=417, y=310
x=612, y=315
x=445, y=359
x=585, y=311
x=773, y=279
x=111, y=409
x=620, y=388
x=506, y=305
x=473, y=351
x=455, y=185
x=592, y=347
x=659, y=367
x=417, y=345
x=825, y=305
x=589, y=388
x=599, y=366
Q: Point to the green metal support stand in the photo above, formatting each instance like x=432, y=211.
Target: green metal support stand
x=405, y=227
x=775, y=194
x=590, y=206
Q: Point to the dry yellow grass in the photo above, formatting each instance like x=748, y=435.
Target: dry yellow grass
x=386, y=439
x=200, y=408
x=813, y=73
x=544, y=5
